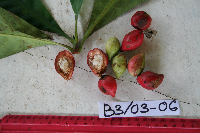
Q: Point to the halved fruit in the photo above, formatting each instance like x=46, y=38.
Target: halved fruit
x=97, y=60
x=64, y=64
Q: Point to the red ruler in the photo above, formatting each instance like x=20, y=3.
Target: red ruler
x=44, y=123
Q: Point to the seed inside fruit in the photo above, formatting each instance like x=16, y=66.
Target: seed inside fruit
x=64, y=65
x=97, y=61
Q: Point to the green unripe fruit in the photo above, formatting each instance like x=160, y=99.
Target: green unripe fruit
x=112, y=47
x=119, y=64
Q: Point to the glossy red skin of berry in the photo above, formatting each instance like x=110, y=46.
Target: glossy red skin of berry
x=90, y=57
x=69, y=57
x=107, y=85
x=132, y=40
x=136, y=64
x=141, y=20
x=150, y=80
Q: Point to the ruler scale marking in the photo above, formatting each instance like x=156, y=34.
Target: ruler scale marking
x=25, y=123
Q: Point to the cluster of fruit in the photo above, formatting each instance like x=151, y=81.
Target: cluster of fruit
x=97, y=60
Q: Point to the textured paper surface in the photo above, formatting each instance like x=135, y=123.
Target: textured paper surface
x=29, y=83
x=138, y=108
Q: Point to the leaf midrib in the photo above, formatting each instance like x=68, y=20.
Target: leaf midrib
x=98, y=19
x=30, y=38
x=36, y=39
x=26, y=37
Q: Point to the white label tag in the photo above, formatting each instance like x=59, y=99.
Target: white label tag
x=138, y=108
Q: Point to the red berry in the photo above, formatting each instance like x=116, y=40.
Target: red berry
x=150, y=80
x=107, y=85
x=132, y=40
x=97, y=60
x=136, y=64
x=141, y=20
x=64, y=64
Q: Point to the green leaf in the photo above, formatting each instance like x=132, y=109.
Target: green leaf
x=17, y=35
x=12, y=42
x=35, y=13
x=13, y=22
x=76, y=6
x=104, y=11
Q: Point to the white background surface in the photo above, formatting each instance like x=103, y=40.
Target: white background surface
x=29, y=83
